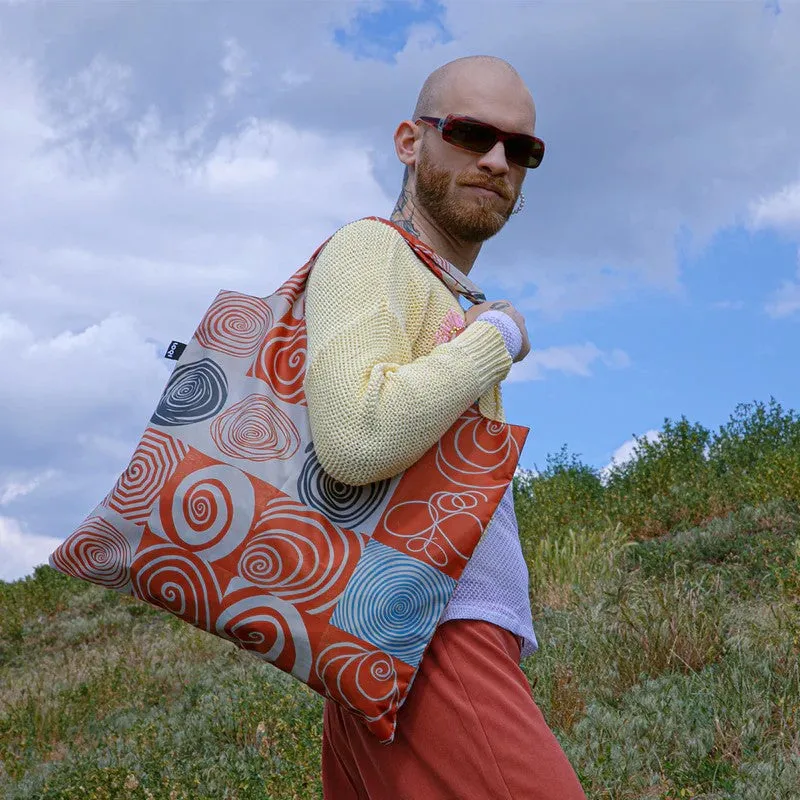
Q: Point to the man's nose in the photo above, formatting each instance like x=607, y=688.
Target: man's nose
x=495, y=160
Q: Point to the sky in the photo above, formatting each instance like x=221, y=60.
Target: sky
x=152, y=154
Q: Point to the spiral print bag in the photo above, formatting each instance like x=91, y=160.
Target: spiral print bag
x=225, y=518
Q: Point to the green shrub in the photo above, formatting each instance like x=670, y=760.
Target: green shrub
x=686, y=478
x=666, y=483
x=566, y=494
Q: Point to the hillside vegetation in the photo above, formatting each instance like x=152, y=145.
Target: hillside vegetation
x=666, y=600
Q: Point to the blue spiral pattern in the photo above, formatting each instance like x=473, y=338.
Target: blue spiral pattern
x=195, y=392
x=393, y=601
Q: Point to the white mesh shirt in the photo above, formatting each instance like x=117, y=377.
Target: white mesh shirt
x=495, y=583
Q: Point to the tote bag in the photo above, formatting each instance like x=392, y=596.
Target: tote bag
x=225, y=518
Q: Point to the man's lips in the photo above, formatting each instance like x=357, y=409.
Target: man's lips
x=486, y=188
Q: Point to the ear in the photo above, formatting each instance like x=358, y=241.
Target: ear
x=405, y=142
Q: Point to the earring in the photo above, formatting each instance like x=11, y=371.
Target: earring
x=520, y=205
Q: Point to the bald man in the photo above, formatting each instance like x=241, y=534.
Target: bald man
x=393, y=362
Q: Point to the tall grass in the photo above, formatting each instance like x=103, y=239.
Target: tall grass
x=666, y=598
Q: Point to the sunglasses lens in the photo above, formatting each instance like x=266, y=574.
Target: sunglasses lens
x=480, y=138
x=525, y=152
x=471, y=135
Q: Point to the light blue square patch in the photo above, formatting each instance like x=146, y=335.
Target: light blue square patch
x=393, y=601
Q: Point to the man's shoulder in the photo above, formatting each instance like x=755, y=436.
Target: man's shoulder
x=367, y=230
x=373, y=242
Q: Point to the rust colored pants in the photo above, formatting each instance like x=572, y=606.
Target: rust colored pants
x=470, y=730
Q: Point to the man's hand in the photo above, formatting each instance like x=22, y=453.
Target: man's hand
x=506, y=308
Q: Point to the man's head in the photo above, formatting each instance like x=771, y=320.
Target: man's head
x=450, y=183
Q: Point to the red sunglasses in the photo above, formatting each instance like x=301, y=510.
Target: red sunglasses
x=480, y=137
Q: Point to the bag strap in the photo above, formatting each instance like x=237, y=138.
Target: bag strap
x=447, y=273
x=451, y=276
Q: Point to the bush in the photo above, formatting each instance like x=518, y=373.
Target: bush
x=755, y=457
x=686, y=478
x=566, y=495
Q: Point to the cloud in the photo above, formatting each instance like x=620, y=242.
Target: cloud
x=116, y=232
x=51, y=383
x=132, y=226
x=785, y=300
x=728, y=305
x=128, y=227
x=658, y=117
x=568, y=359
x=13, y=487
x=20, y=550
x=237, y=67
x=780, y=210
x=96, y=97
x=625, y=453
x=642, y=143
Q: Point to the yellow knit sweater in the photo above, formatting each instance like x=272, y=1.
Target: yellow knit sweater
x=380, y=390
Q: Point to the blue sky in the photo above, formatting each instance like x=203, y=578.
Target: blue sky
x=152, y=154
x=380, y=31
x=697, y=354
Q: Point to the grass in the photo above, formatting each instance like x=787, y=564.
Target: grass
x=666, y=602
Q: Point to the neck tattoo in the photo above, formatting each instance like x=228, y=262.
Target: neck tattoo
x=403, y=214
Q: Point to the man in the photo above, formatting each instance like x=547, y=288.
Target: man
x=393, y=362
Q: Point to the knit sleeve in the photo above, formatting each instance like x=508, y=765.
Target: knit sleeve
x=374, y=409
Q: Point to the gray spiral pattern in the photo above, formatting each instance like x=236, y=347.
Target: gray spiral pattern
x=194, y=393
x=342, y=504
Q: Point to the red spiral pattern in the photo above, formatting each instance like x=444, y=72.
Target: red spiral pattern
x=357, y=675
x=471, y=452
x=268, y=627
x=293, y=287
x=96, y=552
x=255, y=429
x=235, y=324
x=281, y=362
x=151, y=466
x=300, y=556
x=179, y=582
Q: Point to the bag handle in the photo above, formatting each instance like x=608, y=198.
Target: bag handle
x=452, y=277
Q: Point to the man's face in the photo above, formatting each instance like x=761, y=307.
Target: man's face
x=454, y=185
x=471, y=204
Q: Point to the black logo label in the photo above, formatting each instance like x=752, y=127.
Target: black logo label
x=175, y=350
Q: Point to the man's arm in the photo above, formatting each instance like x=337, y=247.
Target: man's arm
x=374, y=409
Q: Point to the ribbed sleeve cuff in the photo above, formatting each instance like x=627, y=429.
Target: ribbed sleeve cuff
x=486, y=349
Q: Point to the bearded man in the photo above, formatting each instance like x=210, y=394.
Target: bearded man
x=393, y=362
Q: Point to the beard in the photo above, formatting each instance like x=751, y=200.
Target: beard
x=474, y=219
